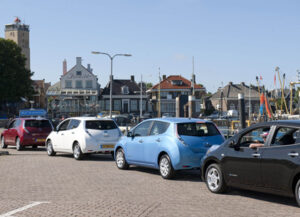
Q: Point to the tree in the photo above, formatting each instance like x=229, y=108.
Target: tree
x=149, y=85
x=15, y=79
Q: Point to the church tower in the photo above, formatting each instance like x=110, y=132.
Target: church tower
x=19, y=33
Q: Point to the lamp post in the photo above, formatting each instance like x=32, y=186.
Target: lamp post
x=111, y=72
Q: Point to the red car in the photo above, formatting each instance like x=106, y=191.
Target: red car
x=23, y=132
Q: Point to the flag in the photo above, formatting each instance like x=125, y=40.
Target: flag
x=275, y=80
x=260, y=77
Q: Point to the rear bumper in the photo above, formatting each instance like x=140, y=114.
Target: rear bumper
x=99, y=148
x=28, y=141
x=188, y=160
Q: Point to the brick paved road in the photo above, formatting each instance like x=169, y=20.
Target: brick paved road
x=95, y=187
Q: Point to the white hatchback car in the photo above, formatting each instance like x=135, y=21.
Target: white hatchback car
x=83, y=135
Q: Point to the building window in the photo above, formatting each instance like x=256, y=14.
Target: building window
x=107, y=105
x=78, y=84
x=78, y=73
x=177, y=82
x=125, y=90
x=133, y=105
x=168, y=107
x=163, y=95
x=89, y=84
x=117, y=105
x=232, y=106
x=68, y=84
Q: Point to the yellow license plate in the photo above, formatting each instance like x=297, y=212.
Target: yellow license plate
x=40, y=140
x=107, y=146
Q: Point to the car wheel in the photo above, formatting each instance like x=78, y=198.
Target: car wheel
x=50, y=150
x=18, y=144
x=214, y=179
x=297, y=192
x=77, y=153
x=165, y=167
x=3, y=143
x=120, y=160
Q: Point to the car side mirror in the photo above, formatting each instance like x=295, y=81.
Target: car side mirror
x=233, y=144
x=130, y=134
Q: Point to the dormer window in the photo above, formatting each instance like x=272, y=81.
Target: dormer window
x=125, y=90
x=177, y=82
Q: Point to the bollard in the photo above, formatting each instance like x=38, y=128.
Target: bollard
x=242, y=110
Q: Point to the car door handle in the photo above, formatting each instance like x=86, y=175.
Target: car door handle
x=207, y=145
x=73, y=132
x=293, y=154
x=158, y=140
x=256, y=155
x=141, y=141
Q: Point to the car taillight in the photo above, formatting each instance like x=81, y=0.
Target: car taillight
x=179, y=137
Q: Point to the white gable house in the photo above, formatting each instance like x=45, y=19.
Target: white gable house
x=76, y=93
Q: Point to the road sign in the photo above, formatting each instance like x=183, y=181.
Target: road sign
x=33, y=112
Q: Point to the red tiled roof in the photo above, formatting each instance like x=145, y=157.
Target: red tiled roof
x=167, y=83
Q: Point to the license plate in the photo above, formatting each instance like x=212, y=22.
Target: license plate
x=107, y=146
x=40, y=140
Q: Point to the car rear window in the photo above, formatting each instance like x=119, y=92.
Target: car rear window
x=38, y=123
x=100, y=125
x=197, y=129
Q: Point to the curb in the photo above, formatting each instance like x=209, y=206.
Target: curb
x=4, y=153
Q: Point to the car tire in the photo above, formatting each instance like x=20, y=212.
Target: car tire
x=121, y=160
x=214, y=179
x=3, y=143
x=297, y=192
x=77, y=153
x=50, y=150
x=165, y=167
x=18, y=144
x=113, y=155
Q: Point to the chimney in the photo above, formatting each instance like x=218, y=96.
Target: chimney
x=64, y=67
x=230, y=83
x=89, y=67
x=243, y=83
x=132, y=78
x=78, y=60
x=164, y=77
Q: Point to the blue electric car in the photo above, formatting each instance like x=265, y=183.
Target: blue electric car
x=167, y=144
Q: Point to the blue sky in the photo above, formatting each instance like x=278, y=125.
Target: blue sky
x=230, y=40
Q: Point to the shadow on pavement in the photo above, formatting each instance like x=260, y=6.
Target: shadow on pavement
x=264, y=197
x=88, y=157
x=181, y=175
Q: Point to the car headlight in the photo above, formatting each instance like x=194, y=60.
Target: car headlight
x=212, y=148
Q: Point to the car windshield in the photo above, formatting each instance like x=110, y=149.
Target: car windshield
x=38, y=123
x=197, y=129
x=100, y=125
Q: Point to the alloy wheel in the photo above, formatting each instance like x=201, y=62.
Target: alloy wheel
x=213, y=179
x=164, y=166
x=120, y=159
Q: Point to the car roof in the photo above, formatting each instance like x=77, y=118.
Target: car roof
x=27, y=119
x=180, y=120
x=88, y=118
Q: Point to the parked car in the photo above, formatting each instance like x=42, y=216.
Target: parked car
x=123, y=122
x=272, y=165
x=23, y=132
x=167, y=144
x=82, y=135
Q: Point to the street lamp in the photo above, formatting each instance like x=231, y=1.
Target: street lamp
x=111, y=71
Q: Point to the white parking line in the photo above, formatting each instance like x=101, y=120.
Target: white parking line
x=22, y=209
